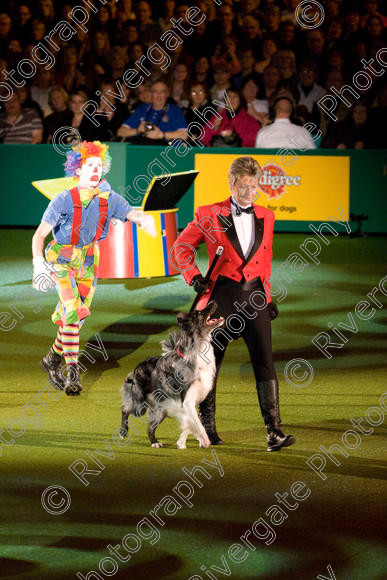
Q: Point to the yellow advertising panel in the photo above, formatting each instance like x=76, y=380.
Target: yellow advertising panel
x=309, y=188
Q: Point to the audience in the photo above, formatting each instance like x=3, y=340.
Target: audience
x=254, y=45
x=18, y=125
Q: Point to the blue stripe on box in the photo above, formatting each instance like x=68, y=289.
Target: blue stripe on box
x=165, y=248
x=135, y=250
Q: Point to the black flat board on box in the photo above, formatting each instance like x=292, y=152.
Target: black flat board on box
x=161, y=197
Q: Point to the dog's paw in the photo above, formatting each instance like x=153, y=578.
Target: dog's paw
x=157, y=444
x=181, y=445
x=205, y=443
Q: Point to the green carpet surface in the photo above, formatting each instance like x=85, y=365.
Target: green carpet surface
x=338, y=530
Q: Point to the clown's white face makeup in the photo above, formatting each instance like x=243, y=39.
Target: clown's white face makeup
x=90, y=173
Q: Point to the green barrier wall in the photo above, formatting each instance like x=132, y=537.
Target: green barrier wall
x=23, y=205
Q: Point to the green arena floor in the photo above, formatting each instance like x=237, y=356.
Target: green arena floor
x=335, y=532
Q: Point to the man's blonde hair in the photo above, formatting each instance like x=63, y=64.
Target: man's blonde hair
x=241, y=167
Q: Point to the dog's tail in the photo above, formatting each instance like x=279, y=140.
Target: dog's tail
x=133, y=400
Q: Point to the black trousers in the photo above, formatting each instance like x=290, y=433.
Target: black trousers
x=244, y=307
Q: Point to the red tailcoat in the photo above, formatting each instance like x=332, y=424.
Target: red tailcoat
x=214, y=225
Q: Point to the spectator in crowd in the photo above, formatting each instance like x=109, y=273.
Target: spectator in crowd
x=222, y=81
x=225, y=23
x=168, y=12
x=156, y=123
x=14, y=51
x=225, y=53
x=97, y=61
x=69, y=76
x=202, y=71
x=18, y=125
x=199, y=97
x=41, y=85
x=118, y=61
x=27, y=102
x=335, y=60
x=353, y=133
x=287, y=35
x=272, y=19
x=37, y=31
x=232, y=129
x=149, y=30
x=247, y=62
x=352, y=31
x=179, y=83
x=375, y=33
x=58, y=100
x=81, y=123
x=315, y=42
x=310, y=92
x=288, y=14
x=335, y=35
x=372, y=9
x=142, y=95
x=200, y=42
x=269, y=50
x=248, y=8
x=22, y=20
x=286, y=61
x=282, y=132
x=257, y=108
x=252, y=34
x=115, y=111
x=103, y=19
x=46, y=12
x=271, y=79
x=5, y=31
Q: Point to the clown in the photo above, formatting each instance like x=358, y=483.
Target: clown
x=78, y=218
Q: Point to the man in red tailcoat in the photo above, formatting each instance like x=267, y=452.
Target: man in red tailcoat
x=240, y=285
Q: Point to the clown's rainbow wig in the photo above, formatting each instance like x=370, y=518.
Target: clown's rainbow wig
x=78, y=156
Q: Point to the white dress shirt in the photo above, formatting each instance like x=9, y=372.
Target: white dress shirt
x=283, y=133
x=244, y=226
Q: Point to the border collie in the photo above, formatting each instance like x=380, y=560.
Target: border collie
x=172, y=384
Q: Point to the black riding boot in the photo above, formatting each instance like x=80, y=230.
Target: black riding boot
x=207, y=416
x=72, y=384
x=51, y=364
x=269, y=403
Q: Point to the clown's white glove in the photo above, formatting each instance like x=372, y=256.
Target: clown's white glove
x=41, y=279
x=145, y=221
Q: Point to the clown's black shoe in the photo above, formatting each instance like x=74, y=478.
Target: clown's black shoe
x=72, y=385
x=51, y=364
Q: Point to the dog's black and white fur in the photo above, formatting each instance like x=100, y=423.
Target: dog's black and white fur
x=171, y=385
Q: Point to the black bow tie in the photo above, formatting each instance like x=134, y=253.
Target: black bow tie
x=239, y=210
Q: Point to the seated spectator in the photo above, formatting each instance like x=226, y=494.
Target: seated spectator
x=179, y=85
x=116, y=112
x=14, y=51
x=41, y=85
x=252, y=34
x=149, y=30
x=19, y=125
x=286, y=61
x=97, y=60
x=69, y=76
x=247, y=61
x=58, y=100
x=103, y=19
x=156, y=123
x=118, y=62
x=22, y=20
x=222, y=81
x=46, y=12
x=374, y=32
x=257, y=108
x=371, y=7
x=269, y=50
x=199, y=97
x=225, y=53
x=289, y=12
x=225, y=23
x=142, y=95
x=202, y=71
x=232, y=130
x=27, y=102
x=168, y=12
x=272, y=19
x=37, y=31
x=129, y=34
x=287, y=35
x=282, y=132
x=352, y=25
x=335, y=35
x=5, y=32
x=78, y=120
x=248, y=8
x=310, y=92
x=353, y=133
x=271, y=79
x=335, y=60
x=315, y=44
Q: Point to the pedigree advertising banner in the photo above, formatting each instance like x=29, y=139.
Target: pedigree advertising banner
x=309, y=188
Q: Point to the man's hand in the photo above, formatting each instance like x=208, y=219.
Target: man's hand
x=273, y=310
x=40, y=277
x=199, y=284
x=155, y=133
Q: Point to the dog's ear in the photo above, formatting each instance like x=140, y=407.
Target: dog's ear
x=181, y=317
